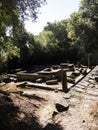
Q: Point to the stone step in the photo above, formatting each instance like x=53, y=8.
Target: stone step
x=79, y=90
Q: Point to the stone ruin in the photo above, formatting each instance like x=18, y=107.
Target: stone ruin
x=64, y=75
x=67, y=74
x=54, y=72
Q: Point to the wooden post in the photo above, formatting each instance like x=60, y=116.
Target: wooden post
x=64, y=80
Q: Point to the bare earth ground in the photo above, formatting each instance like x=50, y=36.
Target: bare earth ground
x=36, y=108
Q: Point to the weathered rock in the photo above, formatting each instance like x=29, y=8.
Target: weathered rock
x=70, y=80
x=80, y=69
x=78, y=90
x=62, y=105
x=64, y=65
x=67, y=96
x=76, y=73
x=2, y=84
x=55, y=67
x=85, y=83
x=12, y=75
x=54, y=114
x=21, y=84
x=71, y=67
x=39, y=80
x=92, y=92
x=91, y=85
x=80, y=86
x=13, y=79
x=84, y=71
x=91, y=81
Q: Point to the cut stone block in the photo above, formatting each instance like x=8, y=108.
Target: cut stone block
x=67, y=66
x=64, y=65
x=51, y=82
x=67, y=96
x=40, y=85
x=48, y=75
x=27, y=76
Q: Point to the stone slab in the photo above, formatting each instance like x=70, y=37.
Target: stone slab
x=80, y=86
x=79, y=90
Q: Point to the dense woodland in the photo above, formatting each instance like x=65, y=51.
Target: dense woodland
x=69, y=40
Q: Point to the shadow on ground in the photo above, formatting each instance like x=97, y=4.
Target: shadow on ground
x=10, y=119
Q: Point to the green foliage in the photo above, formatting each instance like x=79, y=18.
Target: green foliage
x=23, y=9
x=46, y=38
x=26, y=45
x=12, y=33
x=71, y=39
x=82, y=28
x=54, y=41
x=59, y=31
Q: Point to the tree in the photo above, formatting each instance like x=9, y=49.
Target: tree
x=26, y=44
x=46, y=38
x=59, y=31
x=15, y=12
x=82, y=28
x=12, y=16
x=55, y=41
